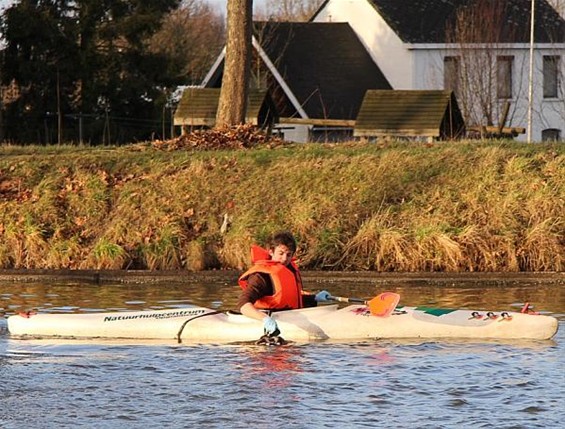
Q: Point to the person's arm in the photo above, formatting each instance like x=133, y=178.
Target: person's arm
x=249, y=310
x=309, y=299
x=312, y=300
x=258, y=286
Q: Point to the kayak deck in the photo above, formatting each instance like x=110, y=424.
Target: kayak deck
x=354, y=322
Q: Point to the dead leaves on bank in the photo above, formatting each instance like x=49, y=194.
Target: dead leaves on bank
x=13, y=189
x=244, y=136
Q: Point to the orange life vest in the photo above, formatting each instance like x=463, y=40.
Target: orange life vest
x=287, y=285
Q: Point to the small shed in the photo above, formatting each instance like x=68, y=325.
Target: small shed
x=410, y=113
x=198, y=106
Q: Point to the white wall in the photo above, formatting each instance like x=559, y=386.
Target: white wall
x=559, y=6
x=381, y=42
x=546, y=113
x=295, y=133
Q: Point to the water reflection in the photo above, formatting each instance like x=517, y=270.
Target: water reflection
x=222, y=294
x=275, y=367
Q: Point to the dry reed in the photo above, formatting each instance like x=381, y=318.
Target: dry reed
x=470, y=206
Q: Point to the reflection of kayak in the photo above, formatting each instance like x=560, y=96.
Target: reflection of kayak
x=354, y=322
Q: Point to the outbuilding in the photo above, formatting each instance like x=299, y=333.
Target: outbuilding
x=431, y=114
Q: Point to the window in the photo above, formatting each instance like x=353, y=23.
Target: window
x=451, y=73
x=504, y=76
x=551, y=134
x=550, y=76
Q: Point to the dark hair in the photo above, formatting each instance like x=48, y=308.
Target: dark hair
x=285, y=238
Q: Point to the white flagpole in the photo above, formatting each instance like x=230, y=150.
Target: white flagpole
x=531, y=78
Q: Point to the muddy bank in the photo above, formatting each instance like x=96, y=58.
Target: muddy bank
x=230, y=277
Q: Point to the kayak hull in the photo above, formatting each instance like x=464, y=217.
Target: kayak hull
x=355, y=322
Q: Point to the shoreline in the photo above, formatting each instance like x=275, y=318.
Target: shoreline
x=230, y=276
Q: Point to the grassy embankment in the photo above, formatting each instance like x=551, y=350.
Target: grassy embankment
x=471, y=206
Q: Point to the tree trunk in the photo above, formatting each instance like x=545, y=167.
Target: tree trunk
x=235, y=82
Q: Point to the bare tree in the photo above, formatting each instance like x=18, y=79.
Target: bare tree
x=192, y=36
x=482, y=84
x=235, y=82
x=289, y=10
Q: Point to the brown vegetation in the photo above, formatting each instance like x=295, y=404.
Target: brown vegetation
x=192, y=36
x=469, y=206
x=239, y=137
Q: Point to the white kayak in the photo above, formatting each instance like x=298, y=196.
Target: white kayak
x=354, y=322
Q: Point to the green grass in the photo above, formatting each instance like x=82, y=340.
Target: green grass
x=399, y=206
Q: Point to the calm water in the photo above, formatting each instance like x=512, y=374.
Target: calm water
x=51, y=384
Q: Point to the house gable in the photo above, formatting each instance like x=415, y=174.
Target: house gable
x=323, y=67
x=324, y=64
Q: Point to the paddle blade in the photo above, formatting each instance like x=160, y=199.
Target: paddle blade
x=384, y=304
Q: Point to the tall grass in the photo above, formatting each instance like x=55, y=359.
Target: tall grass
x=469, y=206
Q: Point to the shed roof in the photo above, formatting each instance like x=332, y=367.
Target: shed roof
x=422, y=113
x=198, y=107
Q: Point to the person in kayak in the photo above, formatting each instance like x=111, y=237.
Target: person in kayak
x=274, y=283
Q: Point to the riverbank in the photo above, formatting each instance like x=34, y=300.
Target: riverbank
x=395, y=207
x=229, y=277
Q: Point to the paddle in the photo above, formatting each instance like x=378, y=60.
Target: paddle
x=381, y=306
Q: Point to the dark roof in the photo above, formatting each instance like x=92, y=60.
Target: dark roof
x=198, y=107
x=324, y=64
x=423, y=113
x=429, y=21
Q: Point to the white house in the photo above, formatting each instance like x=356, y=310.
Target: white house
x=422, y=44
